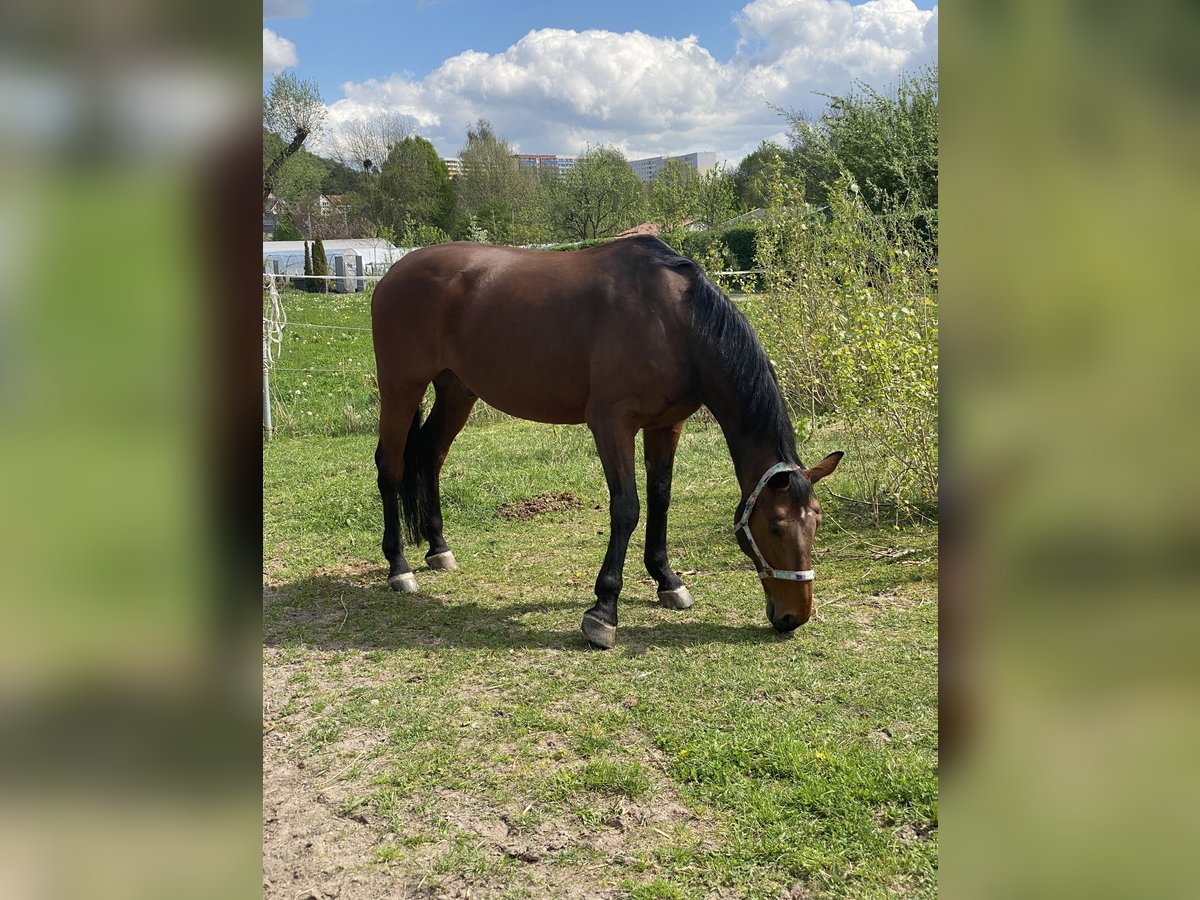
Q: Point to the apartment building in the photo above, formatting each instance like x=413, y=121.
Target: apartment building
x=647, y=169
x=545, y=162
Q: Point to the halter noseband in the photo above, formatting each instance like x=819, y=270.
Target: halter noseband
x=743, y=524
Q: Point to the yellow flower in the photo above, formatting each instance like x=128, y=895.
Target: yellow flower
x=820, y=755
x=683, y=752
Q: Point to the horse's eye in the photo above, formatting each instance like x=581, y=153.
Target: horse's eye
x=774, y=528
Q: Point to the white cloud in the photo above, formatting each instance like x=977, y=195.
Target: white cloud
x=278, y=53
x=556, y=91
x=285, y=9
x=830, y=43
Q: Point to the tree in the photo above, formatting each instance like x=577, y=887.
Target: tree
x=493, y=188
x=752, y=177
x=364, y=143
x=414, y=186
x=712, y=203
x=887, y=143
x=308, y=269
x=673, y=195
x=596, y=197
x=340, y=179
x=297, y=176
x=293, y=110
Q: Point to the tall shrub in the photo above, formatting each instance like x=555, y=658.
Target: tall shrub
x=285, y=230
x=306, y=283
x=850, y=318
x=320, y=265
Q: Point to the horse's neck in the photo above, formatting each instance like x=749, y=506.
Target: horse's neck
x=751, y=451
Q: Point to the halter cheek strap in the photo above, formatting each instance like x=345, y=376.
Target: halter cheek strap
x=743, y=524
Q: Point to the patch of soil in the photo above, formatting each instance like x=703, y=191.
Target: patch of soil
x=532, y=507
x=309, y=851
x=905, y=832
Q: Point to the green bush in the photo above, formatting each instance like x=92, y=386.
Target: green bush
x=736, y=244
x=740, y=242
x=849, y=317
x=694, y=244
x=424, y=235
x=721, y=250
x=285, y=230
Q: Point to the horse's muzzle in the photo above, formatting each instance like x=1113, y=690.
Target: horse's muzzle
x=785, y=623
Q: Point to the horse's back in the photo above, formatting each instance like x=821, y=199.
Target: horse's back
x=542, y=335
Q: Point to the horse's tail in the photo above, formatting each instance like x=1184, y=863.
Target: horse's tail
x=417, y=485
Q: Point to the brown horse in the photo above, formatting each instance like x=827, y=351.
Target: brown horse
x=626, y=335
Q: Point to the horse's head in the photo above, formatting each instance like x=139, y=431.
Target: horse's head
x=776, y=527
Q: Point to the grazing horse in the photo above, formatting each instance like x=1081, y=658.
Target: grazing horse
x=623, y=336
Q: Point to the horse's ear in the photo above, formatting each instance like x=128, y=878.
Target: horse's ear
x=824, y=467
x=779, y=481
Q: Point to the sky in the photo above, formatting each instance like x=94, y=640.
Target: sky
x=652, y=78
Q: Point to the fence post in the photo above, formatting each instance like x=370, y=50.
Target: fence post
x=267, y=425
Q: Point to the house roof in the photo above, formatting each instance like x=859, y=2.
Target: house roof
x=649, y=228
x=644, y=228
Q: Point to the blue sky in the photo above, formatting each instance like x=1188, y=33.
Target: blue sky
x=651, y=78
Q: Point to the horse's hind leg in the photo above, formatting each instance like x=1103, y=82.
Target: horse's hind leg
x=660, y=445
x=399, y=421
x=450, y=412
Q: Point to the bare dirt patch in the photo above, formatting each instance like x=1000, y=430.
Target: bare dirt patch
x=320, y=841
x=532, y=507
x=309, y=851
x=905, y=832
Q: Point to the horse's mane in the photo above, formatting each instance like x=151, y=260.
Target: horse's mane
x=728, y=343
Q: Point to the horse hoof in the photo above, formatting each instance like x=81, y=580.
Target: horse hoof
x=600, y=634
x=406, y=582
x=444, y=560
x=677, y=598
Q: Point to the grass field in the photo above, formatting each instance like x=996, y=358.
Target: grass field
x=465, y=741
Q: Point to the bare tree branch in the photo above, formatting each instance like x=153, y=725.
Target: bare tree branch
x=363, y=144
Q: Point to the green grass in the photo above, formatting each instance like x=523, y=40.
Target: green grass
x=478, y=738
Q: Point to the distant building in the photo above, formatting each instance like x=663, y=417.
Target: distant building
x=545, y=162
x=274, y=209
x=454, y=164
x=647, y=169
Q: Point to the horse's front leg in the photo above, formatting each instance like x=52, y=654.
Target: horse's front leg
x=615, y=445
x=660, y=446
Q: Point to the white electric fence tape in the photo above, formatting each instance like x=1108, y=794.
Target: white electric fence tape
x=273, y=324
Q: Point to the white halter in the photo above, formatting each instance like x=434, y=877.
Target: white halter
x=743, y=524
